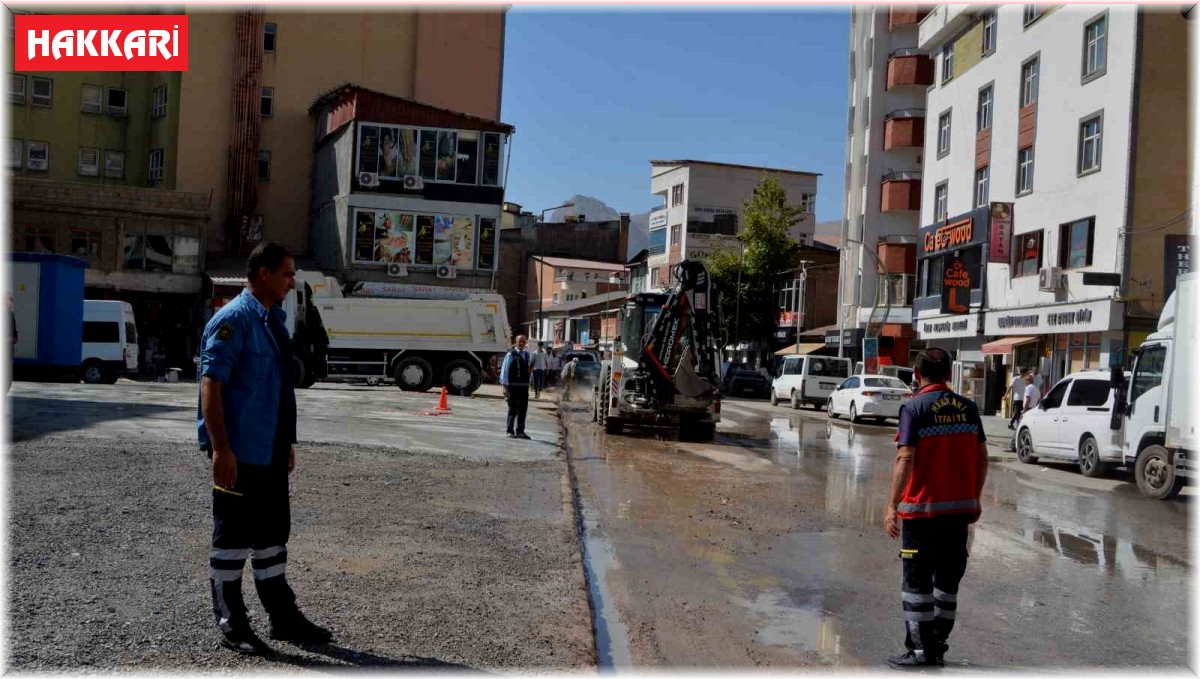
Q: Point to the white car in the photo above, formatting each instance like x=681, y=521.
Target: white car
x=877, y=396
x=1072, y=424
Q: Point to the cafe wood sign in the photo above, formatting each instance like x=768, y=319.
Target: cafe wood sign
x=949, y=236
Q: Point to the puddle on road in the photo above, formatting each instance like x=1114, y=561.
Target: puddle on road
x=1105, y=553
x=612, y=635
x=799, y=628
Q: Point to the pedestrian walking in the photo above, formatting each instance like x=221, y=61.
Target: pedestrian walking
x=1033, y=392
x=1037, y=381
x=1016, y=396
x=538, y=363
x=941, y=466
x=247, y=425
x=514, y=377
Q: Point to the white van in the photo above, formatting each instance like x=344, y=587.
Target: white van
x=110, y=346
x=1072, y=424
x=808, y=379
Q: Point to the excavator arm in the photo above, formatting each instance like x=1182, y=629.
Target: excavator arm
x=680, y=353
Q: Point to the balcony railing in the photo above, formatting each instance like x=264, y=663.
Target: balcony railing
x=906, y=52
x=903, y=176
x=905, y=113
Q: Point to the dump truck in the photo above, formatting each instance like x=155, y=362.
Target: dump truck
x=666, y=364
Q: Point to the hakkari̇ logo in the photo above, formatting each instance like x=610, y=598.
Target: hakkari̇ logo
x=102, y=42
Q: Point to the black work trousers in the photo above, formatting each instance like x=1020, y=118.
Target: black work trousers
x=518, y=406
x=934, y=554
x=251, y=520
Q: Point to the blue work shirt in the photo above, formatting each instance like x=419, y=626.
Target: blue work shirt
x=240, y=350
x=508, y=363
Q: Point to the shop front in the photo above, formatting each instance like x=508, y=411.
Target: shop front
x=960, y=335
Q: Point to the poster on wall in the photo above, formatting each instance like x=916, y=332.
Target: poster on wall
x=491, y=159
x=389, y=153
x=462, y=238
x=447, y=155
x=408, y=151
x=1177, y=259
x=442, y=247
x=1001, y=232
x=424, y=239
x=487, y=243
x=364, y=236
x=368, y=149
x=957, y=280
x=395, y=245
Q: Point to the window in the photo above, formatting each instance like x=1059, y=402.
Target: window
x=447, y=154
x=933, y=284
x=114, y=164
x=658, y=241
x=167, y=254
x=1089, y=393
x=266, y=102
x=677, y=195
x=91, y=99
x=468, y=157
x=43, y=91
x=156, y=165
x=676, y=231
x=983, y=116
x=107, y=332
x=264, y=166
x=159, y=107
x=491, y=159
x=85, y=244
x=1055, y=397
x=851, y=383
x=808, y=203
x=39, y=239
x=1029, y=82
x=554, y=299
x=947, y=63
x=1148, y=371
x=16, y=154
x=37, y=156
x=1033, y=13
x=270, y=32
x=1025, y=171
x=16, y=88
x=982, y=176
x=1028, y=254
x=89, y=162
x=943, y=134
x=940, y=197
x=1095, y=48
x=117, y=101
x=989, y=33
x=1090, y=133
x=1075, y=243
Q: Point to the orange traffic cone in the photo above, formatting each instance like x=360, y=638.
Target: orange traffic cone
x=444, y=402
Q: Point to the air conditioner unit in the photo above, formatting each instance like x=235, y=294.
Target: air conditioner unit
x=368, y=179
x=397, y=270
x=1050, y=279
x=447, y=271
x=413, y=183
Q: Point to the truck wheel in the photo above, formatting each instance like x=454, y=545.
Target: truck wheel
x=94, y=372
x=1090, y=464
x=704, y=433
x=612, y=427
x=414, y=374
x=299, y=372
x=461, y=377
x=1155, y=474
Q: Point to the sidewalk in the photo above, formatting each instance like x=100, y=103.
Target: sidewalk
x=999, y=436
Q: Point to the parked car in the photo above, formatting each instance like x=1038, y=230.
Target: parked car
x=110, y=347
x=900, y=372
x=588, y=368
x=808, y=379
x=742, y=379
x=875, y=396
x=1072, y=423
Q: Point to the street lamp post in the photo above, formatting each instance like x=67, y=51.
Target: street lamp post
x=542, y=264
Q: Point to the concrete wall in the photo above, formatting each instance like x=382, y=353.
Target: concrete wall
x=460, y=61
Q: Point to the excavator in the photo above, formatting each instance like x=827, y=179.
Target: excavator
x=666, y=364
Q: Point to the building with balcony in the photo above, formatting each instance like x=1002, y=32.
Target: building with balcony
x=1055, y=183
x=885, y=150
x=562, y=284
x=702, y=206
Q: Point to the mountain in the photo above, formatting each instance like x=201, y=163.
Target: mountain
x=596, y=210
x=829, y=233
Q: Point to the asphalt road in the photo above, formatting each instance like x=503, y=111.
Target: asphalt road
x=765, y=548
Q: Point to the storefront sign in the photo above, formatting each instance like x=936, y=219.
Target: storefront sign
x=701, y=244
x=1001, y=232
x=1095, y=316
x=871, y=355
x=948, y=327
x=949, y=236
x=658, y=220
x=1177, y=259
x=833, y=338
x=851, y=337
x=957, y=281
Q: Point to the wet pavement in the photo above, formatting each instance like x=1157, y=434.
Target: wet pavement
x=766, y=548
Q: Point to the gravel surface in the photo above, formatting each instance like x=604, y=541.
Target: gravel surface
x=412, y=560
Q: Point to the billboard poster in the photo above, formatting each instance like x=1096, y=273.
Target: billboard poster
x=870, y=355
x=389, y=153
x=462, y=239
x=447, y=155
x=1177, y=259
x=487, y=243
x=957, y=281
x=364, y=236
x=396, y=243
x=442, y=247
x=424, y=239
x=368, y=149
x=491, y=159
x=407, y=140
x=428, y=164
x=1001, y=232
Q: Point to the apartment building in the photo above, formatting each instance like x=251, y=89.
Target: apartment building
x=1055, y=185
x=889, y=75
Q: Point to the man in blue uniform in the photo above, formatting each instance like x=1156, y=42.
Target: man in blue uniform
x=514, y=377
x=247, y=424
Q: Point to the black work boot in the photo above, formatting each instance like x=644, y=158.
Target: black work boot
x=910, y=660
x=242, y=639
x=295, y=627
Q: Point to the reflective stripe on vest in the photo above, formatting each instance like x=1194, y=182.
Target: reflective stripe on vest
x=935, y=507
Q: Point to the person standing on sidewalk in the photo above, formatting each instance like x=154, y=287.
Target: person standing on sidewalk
x=514, y=377
x=247, y=425
x=941, y=466
x=1016, y=396
x=538, y=363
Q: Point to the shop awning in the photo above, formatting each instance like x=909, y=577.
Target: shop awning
x=802, y=348
x=1005, y=345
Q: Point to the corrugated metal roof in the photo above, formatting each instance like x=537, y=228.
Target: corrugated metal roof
x=581, y=263
x=733, y=165
x=606, y=298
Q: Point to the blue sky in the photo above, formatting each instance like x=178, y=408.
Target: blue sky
x=595, y=94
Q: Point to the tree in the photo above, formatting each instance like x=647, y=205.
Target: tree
x=767, y=219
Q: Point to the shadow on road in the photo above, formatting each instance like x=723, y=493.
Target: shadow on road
x=346, y=656
x=36, y=417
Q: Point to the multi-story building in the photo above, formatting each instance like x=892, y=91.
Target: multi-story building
x=889, y=75
x=1055, y=185
x=557, y=312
